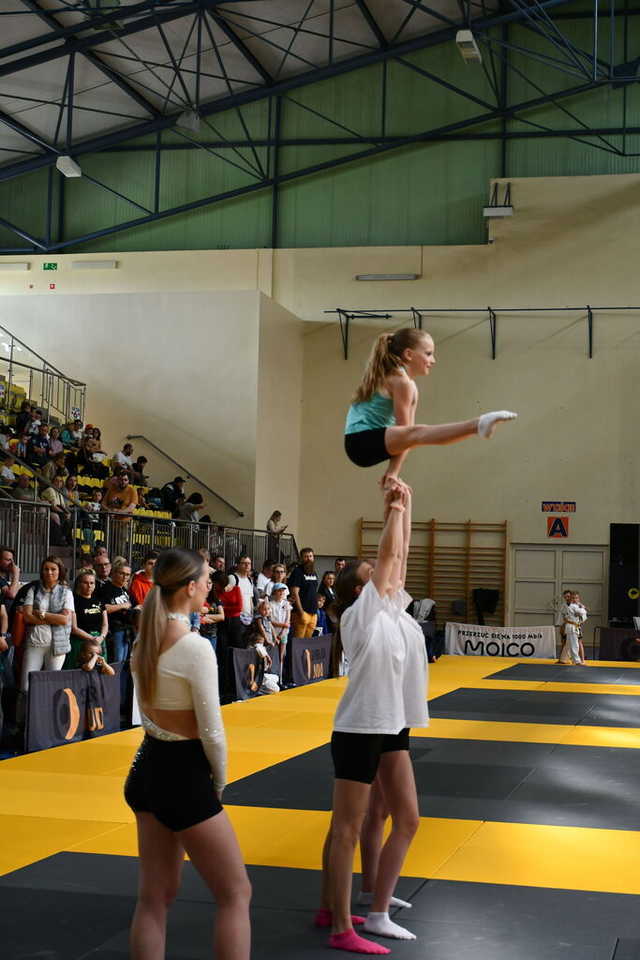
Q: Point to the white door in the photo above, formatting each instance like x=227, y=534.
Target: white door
x=540, y=574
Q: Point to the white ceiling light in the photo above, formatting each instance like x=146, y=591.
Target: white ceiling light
x=189, y=120
x=387, y=276
x=23, y=265
x=469, y=49
x=68, y=167
x=94, y=264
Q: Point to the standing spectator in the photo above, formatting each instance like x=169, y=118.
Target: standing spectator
x=280, y=610
x=55, y=443
x=303, y=584
x=278, y=575
x=171, y=493
x=137, y=471
x=143, y=579
x=339, y=566
x=89, y=620
x=326, y=587
x=243, y=572
x=219, y=564
x=120, y=496
x=322, y=623
x=275, y=527
x=102, y=567
x=211, y=615
x=23, y=420
x=38, y=447
x=264, y=578
x=115, y=596
x=229, y=596
x=124, y=457
x=190, y=509
x=9, y=576
x=47, y=612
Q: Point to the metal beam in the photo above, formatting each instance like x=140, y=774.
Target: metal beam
x=17, y=127
x=373, y=24
x=116, y=78
x=259, y=93
x=239, y=44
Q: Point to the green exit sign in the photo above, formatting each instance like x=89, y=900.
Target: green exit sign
x=49, y=266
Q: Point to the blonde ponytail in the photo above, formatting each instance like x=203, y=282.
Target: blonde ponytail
x=386, y=358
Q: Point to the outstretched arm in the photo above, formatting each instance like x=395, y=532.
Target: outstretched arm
x=391, y=541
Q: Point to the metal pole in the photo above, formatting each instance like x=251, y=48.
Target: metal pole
x=18, y=542
x=595, y=39
x=590, y=330
x=274, y=190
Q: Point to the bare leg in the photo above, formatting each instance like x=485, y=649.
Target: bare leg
x=581, y=649
x=214, y=851
x=325, y=890
x=161, y=859
x=371, y=836
x=350, y=799
x=399, y=786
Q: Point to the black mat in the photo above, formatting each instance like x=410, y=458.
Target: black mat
x=552, y=673
x=78, y=906
x=538, y=706
x=478, y=780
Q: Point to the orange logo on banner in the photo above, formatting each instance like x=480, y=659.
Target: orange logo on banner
x=557, y=526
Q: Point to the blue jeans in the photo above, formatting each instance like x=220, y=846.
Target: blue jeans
x=120, y=647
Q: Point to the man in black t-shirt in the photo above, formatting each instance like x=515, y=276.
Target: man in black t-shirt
x=303, y=589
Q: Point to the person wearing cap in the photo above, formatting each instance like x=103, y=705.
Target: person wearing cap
x=172, y=493
x=280, y=619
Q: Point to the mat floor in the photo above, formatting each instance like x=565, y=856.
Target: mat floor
x=528, y=844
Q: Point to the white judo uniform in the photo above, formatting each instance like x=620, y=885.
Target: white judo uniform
x=573, y=616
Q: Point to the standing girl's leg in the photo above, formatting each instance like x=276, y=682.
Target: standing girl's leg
x=51, y=662
x=214, y=851
x=399, y=787
x=371, y=840
x=161, y=859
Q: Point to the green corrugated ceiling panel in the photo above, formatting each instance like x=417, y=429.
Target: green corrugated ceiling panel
x=352, y=101
x=23, y=202
x=425, y=194
x=90, y=207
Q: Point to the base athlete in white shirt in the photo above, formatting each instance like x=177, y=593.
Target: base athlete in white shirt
x=385, y=696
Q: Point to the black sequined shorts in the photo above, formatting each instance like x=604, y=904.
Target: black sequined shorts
x=172, y=780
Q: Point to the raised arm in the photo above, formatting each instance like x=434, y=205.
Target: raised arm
x=391, y=541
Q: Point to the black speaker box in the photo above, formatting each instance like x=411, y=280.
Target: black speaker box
x=619, y=644
x=624, y=573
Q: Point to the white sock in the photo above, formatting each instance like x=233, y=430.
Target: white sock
x=364, y=899
x=380, y=924
x=489, y=421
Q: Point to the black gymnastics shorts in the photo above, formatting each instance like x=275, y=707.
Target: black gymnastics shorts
x=367, y=447
x=172, y=780
x=356, y=755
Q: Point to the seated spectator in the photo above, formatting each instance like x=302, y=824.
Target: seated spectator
x=92, y=658
x=260, y=679
x=190, y=509
x=38, y=447
x=120, y=496
x=60, y=513
x=23, y=420
x=36, y=421
x=47, y=613
x=264, y=577
x=71, y=491
x=94, y=506
x=19, y=446
x=55, y=443
x=7, y=476
x=154, y=499
x=322, y=623
x=143, y=580
x=124, y=457
x=171, y=494
x=71, y=435
x=55, y=468
x=5, y=436
x=278, y=575
x=137, y=471
x=89, y=620
x=23, y=490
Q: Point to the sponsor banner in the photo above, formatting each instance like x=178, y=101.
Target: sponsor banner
x=247, y=672
x=518, y=642
x=64, y=706
x=558, y=506
x=310, y=659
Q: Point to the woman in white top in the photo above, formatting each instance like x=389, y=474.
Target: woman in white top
x=178, y=774
x=48, y=608
x=386, y=695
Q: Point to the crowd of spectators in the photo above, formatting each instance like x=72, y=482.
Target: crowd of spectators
x=62, y=467
x=50, y=624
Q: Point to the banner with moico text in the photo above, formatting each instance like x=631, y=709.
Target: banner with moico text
x=469, y=639
x=64, y=706
x=310, y=658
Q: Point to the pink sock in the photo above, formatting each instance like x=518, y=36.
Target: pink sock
x=355, y=944
x=324, y=918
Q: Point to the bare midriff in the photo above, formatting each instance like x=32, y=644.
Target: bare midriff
x=182, y=722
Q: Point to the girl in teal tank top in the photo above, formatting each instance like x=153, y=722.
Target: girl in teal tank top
x=381, y=423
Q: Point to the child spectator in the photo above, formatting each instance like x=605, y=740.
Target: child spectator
x=280, y=619
x=322, y=624
x=90, y=658
x=72, y=434
x=55, y=443
x=255, y=640
x=143, y=579
x=94, y=506
x=262, y=622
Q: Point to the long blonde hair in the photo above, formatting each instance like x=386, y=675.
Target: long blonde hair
x=386, y=358
x=174, y=569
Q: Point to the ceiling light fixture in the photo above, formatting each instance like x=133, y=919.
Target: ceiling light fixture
x=68, y=167
x=469, y=49
x=189, y=120
x=387, y=276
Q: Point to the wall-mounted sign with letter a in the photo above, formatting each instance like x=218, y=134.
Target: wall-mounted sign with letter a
x=557, y=526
